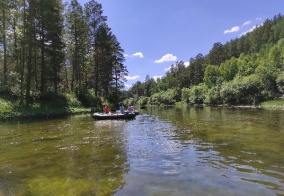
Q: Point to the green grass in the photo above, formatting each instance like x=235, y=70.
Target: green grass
x=34, y=112
x=273, y=104
x=51, y=107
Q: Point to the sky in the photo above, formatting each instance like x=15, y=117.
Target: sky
x=156, y=34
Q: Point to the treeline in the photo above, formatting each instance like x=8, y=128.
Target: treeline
x=246, y=70
x=47, y=47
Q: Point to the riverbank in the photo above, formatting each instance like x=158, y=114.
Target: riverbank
x=41, y=112
x=9, y=111
x=58, y=106
x=273, y=104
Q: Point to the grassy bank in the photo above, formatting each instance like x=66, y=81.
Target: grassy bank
x=48, y=106
x=40, y=112
x=274, y=104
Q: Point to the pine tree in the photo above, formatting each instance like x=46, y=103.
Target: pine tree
x=95, y=19
x=77, y=41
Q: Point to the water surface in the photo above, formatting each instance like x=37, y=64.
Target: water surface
x=164, y=151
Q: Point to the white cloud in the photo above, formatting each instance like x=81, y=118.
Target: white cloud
x=156, y=77
x=132, y=77
x=250, y=30
x=186, y=64
x=232, y=30
x=137, y=54
x=127, y=86
x=166, y=58
x=246, y=23
x=167, y=69
x=258, y=18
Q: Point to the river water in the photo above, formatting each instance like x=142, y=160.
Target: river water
x=163, y=151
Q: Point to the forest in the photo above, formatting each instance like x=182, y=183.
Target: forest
x=51, y=51
x=66, y=55
x=244, y=71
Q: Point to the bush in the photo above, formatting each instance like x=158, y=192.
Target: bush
x=194, y=95
x=252, y=92
x=51, y=99
x=143, y=100
x=72, y=100
x=213, y=96
x=244, y=90
x=5, y=105
x=168, y=97
x=280, y=82
x=230, y=92
x=129, y=101
x=87, y=98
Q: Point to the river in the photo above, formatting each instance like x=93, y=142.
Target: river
x=163, y=151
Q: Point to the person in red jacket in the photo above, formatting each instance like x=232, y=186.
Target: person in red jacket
x=106, y=109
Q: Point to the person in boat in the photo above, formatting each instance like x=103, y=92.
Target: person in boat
x=121, y=108
x=130, y=108
x=106, y=109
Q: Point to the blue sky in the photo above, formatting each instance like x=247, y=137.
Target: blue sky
x=158, y=33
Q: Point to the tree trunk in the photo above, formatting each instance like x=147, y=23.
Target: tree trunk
x=5, y=71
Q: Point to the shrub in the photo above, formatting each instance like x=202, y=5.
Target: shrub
x=72, y=100
x=5, y=105
x=52, y=99
x=87, y=98
x=168, y=97
x=185, y=94
x=213, y=96
x=244, y=90
x=252, y=91
x=194, y=95
x=230, y=92
x=143, y=100
x=280, y=82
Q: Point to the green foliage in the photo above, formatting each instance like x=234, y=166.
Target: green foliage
x=268, y=75
x=168, y=97
x=143, y=100
x=94, y=60
x=54, y=100
x=280, y=82
x=5, y=106
x=275, y=57
x=229, y=69
x=211, y=76
x=185, y=95
x=83, y=99
x=87, y=98
x=246, y=65
x=217, y=54
x=129, y=101
x=194, y=95
x=180, y=104
x=72, y=100
x=278, y=29
x=253, y=90
x=5, y=92
x=48, y=105
x=230, y=92
x=249, y=79
x=196, y=69
x=246, y=90
x=213, y=96
x=273, y=104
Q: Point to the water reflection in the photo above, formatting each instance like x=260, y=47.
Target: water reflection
x=74, y=156
x=238, y=147
x=164, y=151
